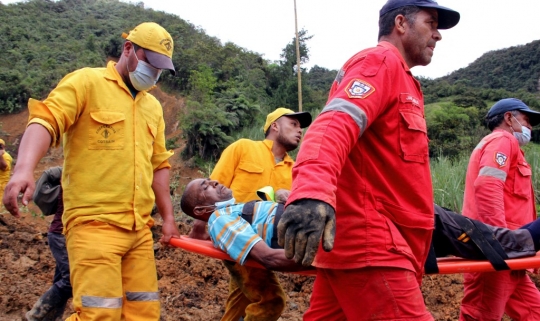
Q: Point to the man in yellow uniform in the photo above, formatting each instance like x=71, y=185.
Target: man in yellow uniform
x=246, y=166
x=5, y=166
x=115, y=167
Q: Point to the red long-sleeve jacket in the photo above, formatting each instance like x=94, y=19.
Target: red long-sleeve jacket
x=498, y=185
x=366, y=155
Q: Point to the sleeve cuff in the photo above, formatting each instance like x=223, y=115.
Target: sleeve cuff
x=55, y=141
x=160, y=160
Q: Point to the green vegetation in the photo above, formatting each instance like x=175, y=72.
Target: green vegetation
x=228, y=89
x=449, y=180
x=515, y=69
x=449, y=176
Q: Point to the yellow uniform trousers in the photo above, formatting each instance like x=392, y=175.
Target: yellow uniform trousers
x=113, y=273
x=254, y=294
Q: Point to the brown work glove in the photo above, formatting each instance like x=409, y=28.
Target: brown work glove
x=301, y=227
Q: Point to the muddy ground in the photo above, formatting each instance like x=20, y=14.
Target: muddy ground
x=192, y=287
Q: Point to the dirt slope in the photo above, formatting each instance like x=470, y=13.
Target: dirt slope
x=191, y=287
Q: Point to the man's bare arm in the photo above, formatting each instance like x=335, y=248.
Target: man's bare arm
x=160, y=186
x=34, y=145
x=274, y=259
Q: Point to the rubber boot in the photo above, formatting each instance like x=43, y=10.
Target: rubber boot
x=49, y=307
x=58, y=312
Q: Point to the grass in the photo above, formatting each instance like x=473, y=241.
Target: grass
x=449, y=177
x=449, y=181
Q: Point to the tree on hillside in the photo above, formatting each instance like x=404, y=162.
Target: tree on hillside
x=204, y=130
x=283, y=81
x=318, y=80
x=454, y=130
x=13, y=93
x=204, y=125
x=511, y=69
x=288, y=54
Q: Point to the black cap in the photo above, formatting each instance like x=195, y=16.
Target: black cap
x=509, y=104
x=447, y=17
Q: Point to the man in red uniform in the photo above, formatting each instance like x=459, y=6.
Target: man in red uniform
x=499, y=192
x=362, y=179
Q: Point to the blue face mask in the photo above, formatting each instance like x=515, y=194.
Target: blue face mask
x=223, y=204
x=524, y=137
x=144, y=76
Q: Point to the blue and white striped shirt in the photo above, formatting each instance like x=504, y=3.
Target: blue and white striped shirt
x=234, y=235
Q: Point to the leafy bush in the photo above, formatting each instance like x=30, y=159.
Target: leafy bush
x=203, y=128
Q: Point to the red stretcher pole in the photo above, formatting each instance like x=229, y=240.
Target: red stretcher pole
x=447, y=265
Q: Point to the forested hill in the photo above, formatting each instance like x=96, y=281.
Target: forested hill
x=42, y=40
x=457, y=103
x=512, y=68
x=513, y=71
x=229, y=89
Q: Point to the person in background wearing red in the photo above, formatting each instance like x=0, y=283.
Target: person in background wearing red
x=499, y=192
x=362, y=180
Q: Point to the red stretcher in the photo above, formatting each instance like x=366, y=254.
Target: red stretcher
x=447, y=265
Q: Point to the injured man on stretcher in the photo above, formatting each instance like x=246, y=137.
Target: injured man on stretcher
x=250, y=231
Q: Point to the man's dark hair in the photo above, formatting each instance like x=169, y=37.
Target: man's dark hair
x=494, y=121
x=387, y=21
x=188, y=202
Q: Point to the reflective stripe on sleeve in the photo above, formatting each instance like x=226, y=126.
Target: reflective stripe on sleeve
x=493, y=172
x=142, y=296
x=357, y=114
x=480, y=145
x=101, y=302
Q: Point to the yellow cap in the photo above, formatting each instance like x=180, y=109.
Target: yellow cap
x=156, y=41
x=303, y=117
x=2, y=142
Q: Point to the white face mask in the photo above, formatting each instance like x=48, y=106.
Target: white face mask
x=525, y=136
x=225, y=203
x=144, y=76
x=222, y=204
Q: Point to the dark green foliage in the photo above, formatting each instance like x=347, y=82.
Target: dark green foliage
x=320, y=78
x=512, y=69
x=171, y=143
x=241, y=111
x=283, y=79
x=453, y=130
x=468, y=101
x=204, y=128
x=43, y=40
x=511, y=72
x=13, y=93
x=229, y=88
